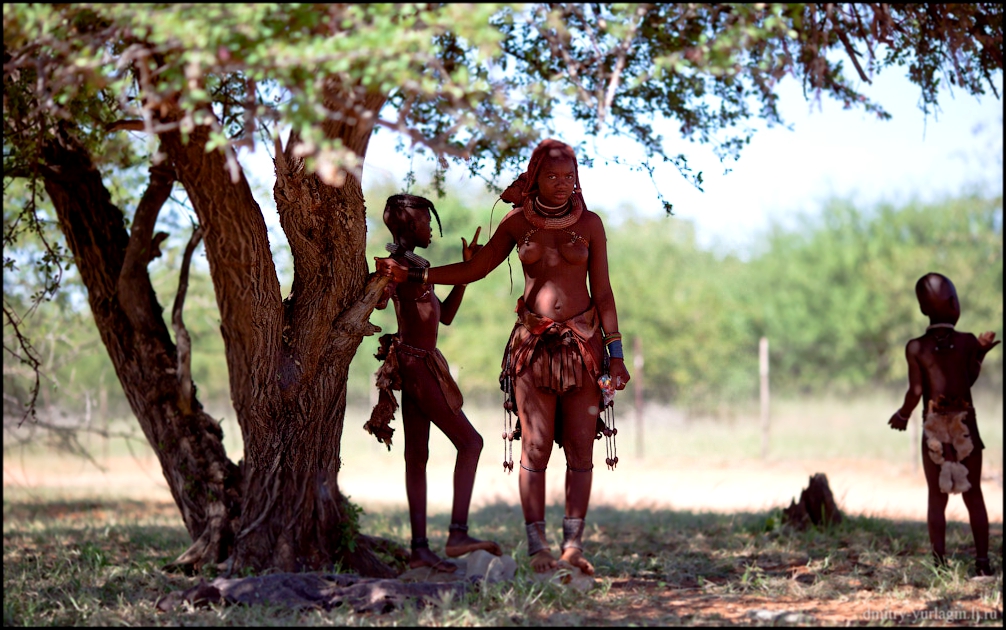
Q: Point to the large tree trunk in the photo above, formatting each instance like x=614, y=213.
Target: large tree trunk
x=288, y=360
x=113, y=266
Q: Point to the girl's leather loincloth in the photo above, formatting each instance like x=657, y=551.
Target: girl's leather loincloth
x=938, y=414
x=411, y=359
x=402, y=360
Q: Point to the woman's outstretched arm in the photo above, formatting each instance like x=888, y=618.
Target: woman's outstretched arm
x=449, y=307
x=484, y=261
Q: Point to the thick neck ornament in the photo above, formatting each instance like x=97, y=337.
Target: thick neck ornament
x=415, y=259
x=548, y=218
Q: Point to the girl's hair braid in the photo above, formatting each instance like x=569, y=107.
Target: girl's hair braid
x=397, y=207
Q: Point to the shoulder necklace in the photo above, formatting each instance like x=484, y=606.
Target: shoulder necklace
x=553, y=217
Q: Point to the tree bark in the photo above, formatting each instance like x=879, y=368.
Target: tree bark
x=205, y=484
x=289, y=359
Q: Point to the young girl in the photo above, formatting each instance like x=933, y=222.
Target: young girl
x=429, y=393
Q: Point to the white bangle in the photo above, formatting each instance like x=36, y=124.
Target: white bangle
x=901, y=417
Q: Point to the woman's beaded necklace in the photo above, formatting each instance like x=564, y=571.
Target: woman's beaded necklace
x=553, y=217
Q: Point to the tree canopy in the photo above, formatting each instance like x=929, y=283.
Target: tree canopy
x=471, y=83
x=476, y=83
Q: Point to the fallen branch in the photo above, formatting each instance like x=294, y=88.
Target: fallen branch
x=314, y=591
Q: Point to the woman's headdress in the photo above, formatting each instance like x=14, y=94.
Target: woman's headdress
x=525, y=187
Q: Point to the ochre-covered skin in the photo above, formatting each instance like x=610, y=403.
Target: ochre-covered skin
x=943, y=364
x=563, y=253
x=429, y=394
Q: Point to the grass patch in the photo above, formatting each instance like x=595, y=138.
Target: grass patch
x=94, y=560
x=97, y=562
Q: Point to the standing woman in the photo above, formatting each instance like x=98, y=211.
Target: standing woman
x=566, y=322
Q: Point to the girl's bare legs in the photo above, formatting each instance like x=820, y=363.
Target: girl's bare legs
x=936, y=518
x=425, y=404
x=536, y=409
x=467, y=440
x=417, y=453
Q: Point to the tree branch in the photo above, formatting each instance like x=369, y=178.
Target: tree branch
x=28, y=356
x=437, y=145
x=840, y=31
x=355, y=320
x=559, y=50
x=623, y=51
x=126, y=124
x=133, y=288
x=182, y=341
x=238, y=252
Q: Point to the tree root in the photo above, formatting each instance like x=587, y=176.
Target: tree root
x=365, y=561
x=208, y=548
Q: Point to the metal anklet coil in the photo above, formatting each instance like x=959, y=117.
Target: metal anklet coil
x=536, y=539
x=572, y=532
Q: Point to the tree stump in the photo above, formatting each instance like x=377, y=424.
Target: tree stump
x=816, y=507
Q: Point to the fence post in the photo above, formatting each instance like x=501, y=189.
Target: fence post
x=637, y=389
x=87, y=421
x=763, y=372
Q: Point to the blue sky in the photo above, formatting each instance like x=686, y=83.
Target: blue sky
x=783, y=172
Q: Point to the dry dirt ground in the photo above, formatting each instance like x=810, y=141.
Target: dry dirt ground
x=861, y=487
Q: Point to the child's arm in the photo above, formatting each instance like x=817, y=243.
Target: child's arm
x=449, y=307
x=899, y=421
x=986, y=341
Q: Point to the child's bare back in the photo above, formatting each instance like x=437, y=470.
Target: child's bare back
x=949, y=361
x=943, y=364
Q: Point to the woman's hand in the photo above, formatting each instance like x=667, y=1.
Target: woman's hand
x=619, y=373
x=392, y=268
x=470, y=249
